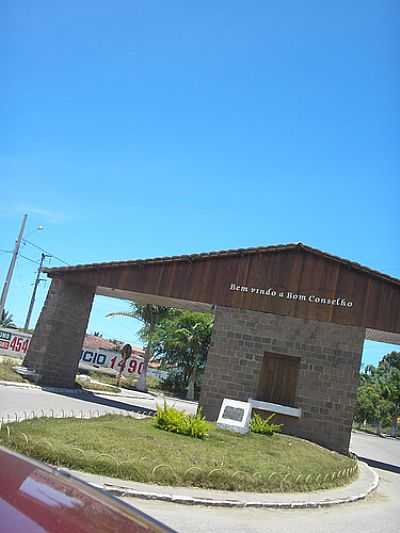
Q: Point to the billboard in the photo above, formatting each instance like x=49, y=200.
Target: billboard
x=13, y=343
x=98, y=359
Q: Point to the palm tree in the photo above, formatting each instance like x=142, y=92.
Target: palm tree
x=183, y=341
x=192, y=340
x=7, y=320
x=150, y=316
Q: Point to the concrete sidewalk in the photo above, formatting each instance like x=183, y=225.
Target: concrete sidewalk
x=366, y=482
x=83, y=392
x=80, y=392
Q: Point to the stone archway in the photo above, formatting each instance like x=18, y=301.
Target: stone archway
x=278, y=303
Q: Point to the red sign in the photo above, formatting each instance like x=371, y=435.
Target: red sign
x=14, y=343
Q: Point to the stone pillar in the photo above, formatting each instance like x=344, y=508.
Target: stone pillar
x=330, y=356
x=56, y=344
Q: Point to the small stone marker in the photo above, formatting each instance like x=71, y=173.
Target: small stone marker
x=234, y=416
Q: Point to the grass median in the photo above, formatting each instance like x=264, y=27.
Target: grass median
x=95, y=386
x=136, y=450
x=7, y=373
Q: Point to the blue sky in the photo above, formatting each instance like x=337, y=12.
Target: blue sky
x=148, y=128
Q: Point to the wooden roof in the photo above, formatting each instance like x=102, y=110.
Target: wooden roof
x=292, y=279
x=224, y=253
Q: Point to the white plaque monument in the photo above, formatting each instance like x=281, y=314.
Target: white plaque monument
x=234, y=416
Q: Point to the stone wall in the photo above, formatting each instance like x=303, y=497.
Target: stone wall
x=328, y=376
x=56, y=344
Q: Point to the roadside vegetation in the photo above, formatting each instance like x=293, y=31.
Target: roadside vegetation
x=7, y=320
x=91, y=385
x=181, y=342
x=107, y=379
x=378, y=396
x=137, y=450
x=7, y=373
x=153, y=383
x=371, y=429
x=110, y=379
x=176, y=338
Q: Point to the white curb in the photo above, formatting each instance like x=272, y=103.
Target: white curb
x=119, y=491
x=190, y=500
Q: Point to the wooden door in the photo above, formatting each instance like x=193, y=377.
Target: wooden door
x=278, y=379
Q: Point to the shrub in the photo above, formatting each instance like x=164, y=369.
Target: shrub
x=153, y=382
x=174, y=383
x=196, y=426
x=264, y=426
x=170, y=419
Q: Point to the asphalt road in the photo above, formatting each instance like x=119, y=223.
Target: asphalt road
x=17, y=400
x=380, y=512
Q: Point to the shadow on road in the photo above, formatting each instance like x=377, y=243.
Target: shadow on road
x=383, y=466
x=108, y=402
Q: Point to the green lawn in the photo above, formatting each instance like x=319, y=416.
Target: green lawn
x=96, y=386
x=104, y=378
x=136, y=450
x=7, y=373
x=152, y=382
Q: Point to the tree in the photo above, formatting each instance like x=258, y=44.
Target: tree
x=150, y=316
x=371, y=407
x=389, y=375
x=378, y=397
x=391, y=360
x=182, y=341
x=7, y=320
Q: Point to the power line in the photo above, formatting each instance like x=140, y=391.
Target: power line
x=29, y=259
x=45, y=251
x=20, y=255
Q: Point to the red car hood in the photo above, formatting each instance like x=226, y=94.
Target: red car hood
x=37, y=498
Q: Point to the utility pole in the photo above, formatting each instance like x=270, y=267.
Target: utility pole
x=37, y=281
x=10, y=272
